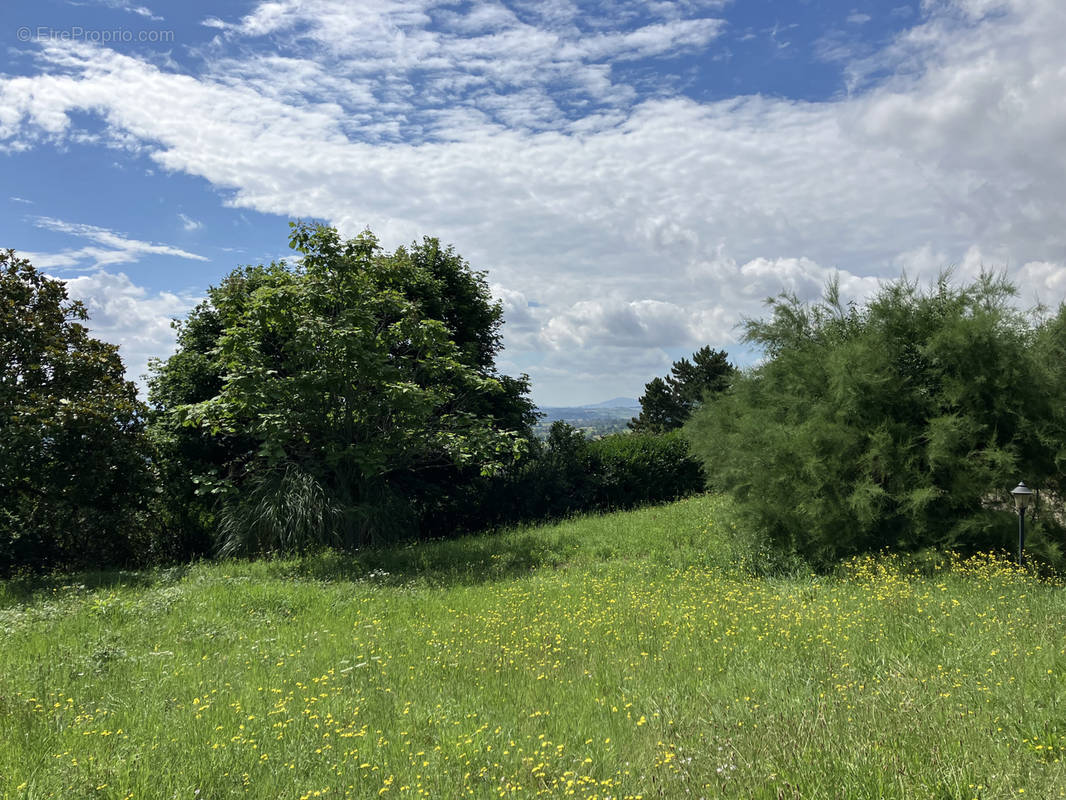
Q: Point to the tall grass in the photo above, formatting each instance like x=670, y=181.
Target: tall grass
x=618, y=656
x=289, y=510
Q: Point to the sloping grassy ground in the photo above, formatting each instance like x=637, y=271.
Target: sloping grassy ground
x=618, y=656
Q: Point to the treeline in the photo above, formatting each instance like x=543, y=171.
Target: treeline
x=351, y=398
x=569, y=473
x=346, y=399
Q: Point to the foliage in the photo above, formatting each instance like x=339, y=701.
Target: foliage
x=638, y=469
x=668, y=402
x=569, y=473
x=74, y=463
x=350, y=389
x=902, y=424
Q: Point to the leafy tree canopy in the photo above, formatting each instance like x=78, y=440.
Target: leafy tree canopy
x=320, y=399
x=74, y=468
x=901, y=424
x=668, y=402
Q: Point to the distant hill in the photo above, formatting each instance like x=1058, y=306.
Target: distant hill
x=615, y=402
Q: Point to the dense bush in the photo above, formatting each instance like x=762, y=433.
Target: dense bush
x=638, y=469
x=75, y=473
x=570, y=474
x=902, y=424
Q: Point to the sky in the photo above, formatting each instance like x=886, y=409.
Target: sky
x=635, y=178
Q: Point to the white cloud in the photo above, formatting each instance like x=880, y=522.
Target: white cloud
x=652, y=40
x=637, y=225
x=636, y=323
x=419, y=59
x=122, y=5
x=190, y=224
x=120, y=311
x=114, y=248
x=519, y=313
x=1045, y=280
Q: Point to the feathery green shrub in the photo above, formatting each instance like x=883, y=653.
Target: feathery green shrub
x=900, y=424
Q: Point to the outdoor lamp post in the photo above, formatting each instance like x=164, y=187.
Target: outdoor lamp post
x=1022, y=495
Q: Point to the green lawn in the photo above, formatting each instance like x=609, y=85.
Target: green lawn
x=628, y=655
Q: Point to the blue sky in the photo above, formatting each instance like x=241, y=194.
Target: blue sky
x=636, y=177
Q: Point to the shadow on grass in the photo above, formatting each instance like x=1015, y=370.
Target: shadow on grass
x=468, y=560
x=32, y=588
x=669, y=535
x=461, y=561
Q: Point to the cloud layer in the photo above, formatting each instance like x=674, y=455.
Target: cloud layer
x=619, y=224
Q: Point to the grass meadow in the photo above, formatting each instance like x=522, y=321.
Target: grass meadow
x=620, y=656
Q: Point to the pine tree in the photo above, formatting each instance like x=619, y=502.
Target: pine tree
x=668, y=402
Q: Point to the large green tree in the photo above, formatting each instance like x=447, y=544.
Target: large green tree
x=668, y=402
x=899, y=424
x=333, y=400
x=75, y=474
